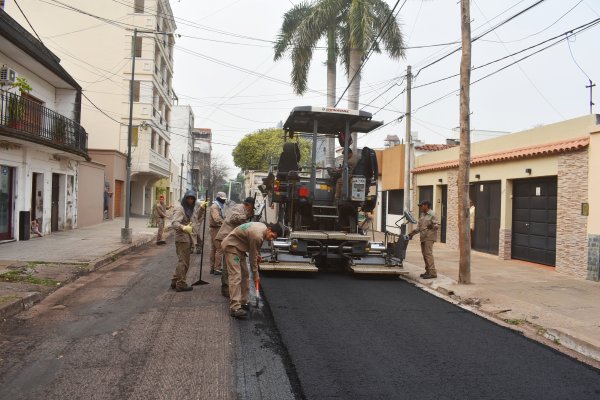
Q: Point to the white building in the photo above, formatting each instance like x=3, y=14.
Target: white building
x=201, y=156
x=182, y=124
x=42, y=144
x=100, y=54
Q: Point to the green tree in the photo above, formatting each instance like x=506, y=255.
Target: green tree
x=351, y=27
x=256, y=150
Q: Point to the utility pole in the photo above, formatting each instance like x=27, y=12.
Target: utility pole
x=407, y=141
x=591, y=87
x=464, y=160
x=181, y=178
x=126, y=232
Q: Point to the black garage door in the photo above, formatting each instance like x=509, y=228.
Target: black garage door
x=486, y=197
x=534, y=220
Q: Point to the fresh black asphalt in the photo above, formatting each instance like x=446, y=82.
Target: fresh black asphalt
x=350, y=338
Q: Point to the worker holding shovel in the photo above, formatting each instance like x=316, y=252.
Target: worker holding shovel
x=248, y=237
x=184, y=223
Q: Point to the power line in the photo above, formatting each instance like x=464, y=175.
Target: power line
x=27, y=19
x=372, y=48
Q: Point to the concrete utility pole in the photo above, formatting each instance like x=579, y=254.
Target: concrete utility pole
x=464, y=160
x=181, y=178
x=407, y=140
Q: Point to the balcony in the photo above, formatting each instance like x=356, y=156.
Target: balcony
x=28, y=120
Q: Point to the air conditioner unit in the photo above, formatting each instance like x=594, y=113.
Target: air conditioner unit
x=7, y=76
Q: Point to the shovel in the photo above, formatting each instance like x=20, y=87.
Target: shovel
x=257, y=293
x=200, y=281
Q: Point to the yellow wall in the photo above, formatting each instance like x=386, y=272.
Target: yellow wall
x=392, y=177
x=560, y=131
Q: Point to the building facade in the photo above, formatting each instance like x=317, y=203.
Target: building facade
x=182, y=125
x=201, y=159
x=42, y=144
x=101, y=55
x=535, y=195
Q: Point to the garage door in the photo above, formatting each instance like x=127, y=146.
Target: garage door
x=486, y=197
x=534, y=220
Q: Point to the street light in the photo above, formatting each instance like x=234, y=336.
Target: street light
x=126, y=232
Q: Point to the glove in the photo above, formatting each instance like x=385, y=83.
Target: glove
x=187, y=229
x=204, y=204
x=430, y=226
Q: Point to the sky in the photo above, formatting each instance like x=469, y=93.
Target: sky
x=231, y=89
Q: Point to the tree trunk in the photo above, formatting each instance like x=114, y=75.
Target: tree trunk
x=356, y=56
x=464, y=161
x=331, y=95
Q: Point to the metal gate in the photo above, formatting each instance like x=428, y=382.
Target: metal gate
x=444, y=214
x=486, y=197
x=534, y=220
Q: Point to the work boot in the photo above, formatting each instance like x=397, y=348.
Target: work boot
x=225, y=293
x=239, y=313
x=423, y=274
x=218, y=272
x=173, y=283
x=183, y=288
x=428, y=276
x=246, y=306
x=161, y=242
x=198, y=250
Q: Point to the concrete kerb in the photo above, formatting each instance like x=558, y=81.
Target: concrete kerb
x=555, y=338
x=29, y=299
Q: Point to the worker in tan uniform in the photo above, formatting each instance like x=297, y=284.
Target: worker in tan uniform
x=246, y=238
x=352, y=161
x=427, y=229
x=216, y=217
x=160, y=213
x=240, y=214
x=185, y=225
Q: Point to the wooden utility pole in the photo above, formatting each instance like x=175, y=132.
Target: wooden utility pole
x=407, y=141
x=464, y=160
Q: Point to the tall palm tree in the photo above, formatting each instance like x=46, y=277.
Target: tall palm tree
x=351, y=27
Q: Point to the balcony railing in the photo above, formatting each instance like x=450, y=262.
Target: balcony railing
x=43, y=125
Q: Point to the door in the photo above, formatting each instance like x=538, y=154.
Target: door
x=426, y=193
x=384, y=211
x=486, y=197
x=6, y=201
x=444, y=214
x=534, y=220
x=55, y=199
x=117, y=198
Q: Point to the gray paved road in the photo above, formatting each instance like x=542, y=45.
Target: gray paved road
x=385, y=339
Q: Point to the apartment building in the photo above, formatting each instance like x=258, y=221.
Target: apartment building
x=182, y=125
x=43, y=147
x=201, y=155
x=99, y=54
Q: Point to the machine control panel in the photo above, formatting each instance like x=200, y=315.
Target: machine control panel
x=358, y=188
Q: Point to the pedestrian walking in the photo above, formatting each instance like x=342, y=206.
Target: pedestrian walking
x=472, y=220
x=240, y=214
x=216, y=216
x=160, y=213
x=246, y=238
x=185, y=225
x=427, y=230
x=106, y=200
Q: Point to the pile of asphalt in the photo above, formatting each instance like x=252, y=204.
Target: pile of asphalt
x=349, y=338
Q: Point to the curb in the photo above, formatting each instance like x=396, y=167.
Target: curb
x=29, y=299
x=26, y=301
x=562, y=339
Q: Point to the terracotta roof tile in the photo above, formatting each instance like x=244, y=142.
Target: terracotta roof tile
x=434, y=147
x=515, y=154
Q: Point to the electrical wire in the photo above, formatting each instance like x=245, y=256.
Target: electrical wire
x=29, y=23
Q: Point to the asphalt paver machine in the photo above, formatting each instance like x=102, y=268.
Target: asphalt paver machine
x=320, y=206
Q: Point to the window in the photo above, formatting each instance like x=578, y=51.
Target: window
x=166, y=150
x=160, y=145
x=136, y=90
x=138, y=46
x=135, y=131
x=153, y=140
x=395, y=202
x=138, y=7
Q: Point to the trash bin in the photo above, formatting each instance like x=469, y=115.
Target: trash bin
x=24, y=225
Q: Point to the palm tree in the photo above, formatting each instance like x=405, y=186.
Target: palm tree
x=351, y=27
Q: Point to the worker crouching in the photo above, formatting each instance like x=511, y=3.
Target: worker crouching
x=246, y=238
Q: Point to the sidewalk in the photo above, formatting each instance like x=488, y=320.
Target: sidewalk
x=561, y=308
x=29, y=270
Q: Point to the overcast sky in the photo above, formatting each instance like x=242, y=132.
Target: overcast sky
x=543, y=89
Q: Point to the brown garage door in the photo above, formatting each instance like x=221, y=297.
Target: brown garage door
x=117, y=197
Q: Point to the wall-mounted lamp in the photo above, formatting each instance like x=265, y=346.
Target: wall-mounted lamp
x=477, y=176
x=440, y=180
x=528, y=171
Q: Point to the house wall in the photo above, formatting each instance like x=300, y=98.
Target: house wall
x=91, y=193
x=115, y=170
